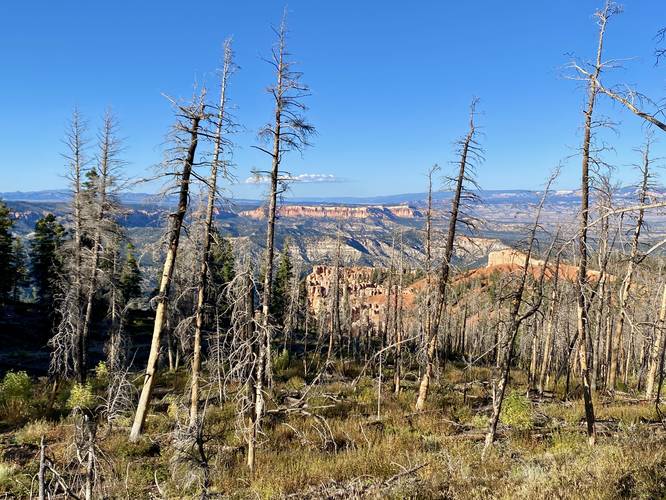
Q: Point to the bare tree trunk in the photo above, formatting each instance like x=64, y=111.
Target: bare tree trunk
x=515, y=320
x=657, y=347
x=76, y=145
x=431, y=344
x=550, y=326
x=195, y=114
x=108, y=149
x=207, y=237
x=629, y=276
x=534, y=357
x=288, y=131
x=41, y=476
x=428, y=263
x=397, y=321
x=582, y=278
x=334, y=328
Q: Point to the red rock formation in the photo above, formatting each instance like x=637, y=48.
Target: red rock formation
x=367, y=298
x=337, y=211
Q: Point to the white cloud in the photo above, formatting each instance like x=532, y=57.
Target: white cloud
x=302, y=178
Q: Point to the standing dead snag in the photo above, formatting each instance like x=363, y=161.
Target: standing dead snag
x=334, y=324
x=469, y=151
x=107, y=163
x=634, y=260
x=187, y=132
x=288, y=131
x=202, y=285
x=550, y=331
x=428, y=247
x=65, y=356
x=76, y=144
x=582, y=279
x=657, y=352
x=516, y=319
x=625, y=95
x=397, y=321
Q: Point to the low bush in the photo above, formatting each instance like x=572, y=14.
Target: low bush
x=15, y=395
x=81, y=396
x=517, y=411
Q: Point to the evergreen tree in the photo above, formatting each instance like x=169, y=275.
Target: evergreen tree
x=222, y=261
x=281, y=286
x=45, y=261
x=6, y=240
x=130, y=276
x=221, y=266
x=19, y=269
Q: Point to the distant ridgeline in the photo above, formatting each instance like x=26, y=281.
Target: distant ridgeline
x=338, y=211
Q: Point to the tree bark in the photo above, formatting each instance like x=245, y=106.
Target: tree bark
x=657, y=347
x=207, y=237
x=445, y=270
x=167, y=274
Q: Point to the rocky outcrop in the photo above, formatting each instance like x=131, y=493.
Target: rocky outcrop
x=338, y=212
x=367, y=295
x=509, y=260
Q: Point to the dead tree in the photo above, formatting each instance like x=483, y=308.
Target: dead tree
x=288, y=131
x=657, y=350
x=628, y=97
x=397, y=321
x=470, y=151
x=102, y=222
x=428, y=253
x=603, y=288
x=64, y=357
x=550, y=330
x=582, y=278
x=76, y=145
x=516, y=318
x=217, y=166
x=334, y=324
x=634, y=259
x=187, y=129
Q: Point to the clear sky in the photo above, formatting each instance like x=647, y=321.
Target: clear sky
x=391, y=82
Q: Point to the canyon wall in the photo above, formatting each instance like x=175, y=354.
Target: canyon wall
x=337, y=212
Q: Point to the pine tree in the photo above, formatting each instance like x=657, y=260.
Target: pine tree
x=19, y=269
x=45, y=261
x=130, y=276
x=281, y=287
x=6, y=240
x=221, y=266
x=222, y=261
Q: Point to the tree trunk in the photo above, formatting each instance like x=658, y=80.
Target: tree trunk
x=628, y=278
x=582, y=309
x=167, y=274
x=446, y=266
x=657, y=347
x=515, y=320
x=202, y=284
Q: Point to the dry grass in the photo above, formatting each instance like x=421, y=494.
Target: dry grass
x=298, y=454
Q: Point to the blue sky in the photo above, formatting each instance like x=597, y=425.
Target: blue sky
x=391, y=83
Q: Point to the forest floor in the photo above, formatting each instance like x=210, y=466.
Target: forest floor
x=344, y=444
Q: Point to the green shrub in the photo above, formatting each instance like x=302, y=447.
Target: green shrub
x=479, y=422
x=15, y=394
x=517, y=411
x=7, y=472
x=281, y=362
x=81, y=396
x=101, y=371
